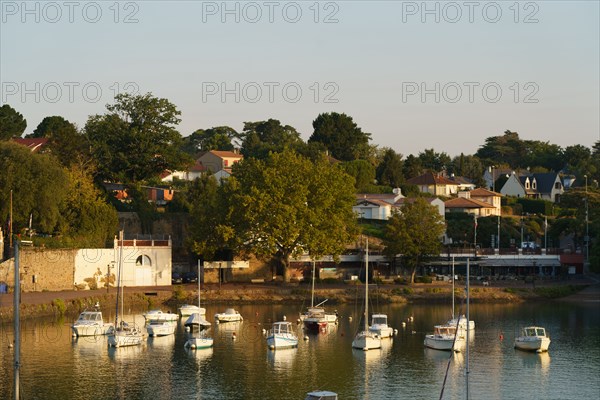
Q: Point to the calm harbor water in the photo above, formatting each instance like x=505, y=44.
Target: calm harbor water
x=56, y=366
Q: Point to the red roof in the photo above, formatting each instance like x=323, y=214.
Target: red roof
x=430, y=179
x=461, y=202
x=480, y=192
x=34, y=144
x=226, y=154
x=571, y=258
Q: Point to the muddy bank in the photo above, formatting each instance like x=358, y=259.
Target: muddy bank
x=47, y=304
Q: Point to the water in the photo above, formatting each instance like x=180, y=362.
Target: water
x=56, y=366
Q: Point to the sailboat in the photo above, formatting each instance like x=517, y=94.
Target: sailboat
x=462, y=322
x=123, y=334
x=365, y=339
x=315, y=319
x=202, y=340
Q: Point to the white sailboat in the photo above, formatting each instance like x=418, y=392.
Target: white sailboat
x=365, y=339
x=202, y=340
x=123, y=334
x=462, y=322
x=315, y=319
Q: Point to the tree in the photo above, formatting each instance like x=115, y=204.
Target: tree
x=389, y=171
x=414, y=234
x=39, y=185
x=434, y=162
x=287, y=205
x=216, y=138
x=136, y=140
x=12, y=123
x=64, y=140
x=469, y=167
x=412, y=167
x=263, y=137
x=362, y=172
x=344, y=139
x=508, y=148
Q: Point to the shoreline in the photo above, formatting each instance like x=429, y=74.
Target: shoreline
x=48, y=304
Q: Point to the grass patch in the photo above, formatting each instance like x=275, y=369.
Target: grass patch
x=555, y=292
x=60, y=306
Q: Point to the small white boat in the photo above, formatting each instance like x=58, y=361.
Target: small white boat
x=533, y=338
x=125, y=335
x=445, y=337
x=380, y=326
x=199, y=342
x=160, y=328
x=90, y=323
x=159, y=315
x=365, y=339
x=186, y=310
x=462, y=323
x=282, y=336
x=230, y=315
x=321, y=395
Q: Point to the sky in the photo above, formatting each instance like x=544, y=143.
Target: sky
x=416, y=75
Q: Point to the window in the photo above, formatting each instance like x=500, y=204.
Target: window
x=143, y=260
x=557, y=185
x=534, y=185
x=226, y=163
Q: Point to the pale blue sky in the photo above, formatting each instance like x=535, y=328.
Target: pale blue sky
x=374, y=61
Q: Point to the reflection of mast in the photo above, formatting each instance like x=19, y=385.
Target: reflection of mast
x=16, y=316
x=468, y=319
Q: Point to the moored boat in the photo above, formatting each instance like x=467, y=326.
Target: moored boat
x=185, y=310
x=321, y=395
x=533, y=338
x=445, y=337
x=91, y=323
x=380, y=326
x=159, y=315
x=230, y=315
x=160, y=328
x=282, y=336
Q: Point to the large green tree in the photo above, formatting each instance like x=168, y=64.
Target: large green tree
x=12, y=123
x=362, y=172
x=136, y=140
x=263, y=137
x=39, y=186
x=345, y=140
x=64, y=140
x=508, y=148
x=434, y=162
x=216, y=138
x=414, y=234
x=286, y=205
x=389, y=170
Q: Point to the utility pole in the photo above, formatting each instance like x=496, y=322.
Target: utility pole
x=17, y=317
x=498, y=234
x=10, y=223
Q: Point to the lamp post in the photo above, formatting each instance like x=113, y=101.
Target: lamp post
x=498, y=235
x=587, y=233
x=475, y=237
x=521, y=232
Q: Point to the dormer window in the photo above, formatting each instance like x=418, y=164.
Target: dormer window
x=534, y=185
x=527, y=184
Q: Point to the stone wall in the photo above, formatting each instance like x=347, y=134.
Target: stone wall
x=41, y=269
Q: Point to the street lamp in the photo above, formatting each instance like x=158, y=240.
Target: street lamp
x=587, y=233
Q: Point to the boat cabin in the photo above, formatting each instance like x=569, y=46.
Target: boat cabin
x=90, y=316
x=379, y=319
x=534, y=331
x=321, y=395
x=282, y=328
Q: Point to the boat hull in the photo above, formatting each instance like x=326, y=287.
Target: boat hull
x=199, y=343
x=125, y=338
x=366, y=341
x=91, y=330
x=188, y=309
x=313, y=325
x=161, y=329
x=537, y=344
x=282, y=341
x=444, y=342
x=160, y=317
x=383, y=332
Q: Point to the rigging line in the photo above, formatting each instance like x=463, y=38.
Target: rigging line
x=451, y=355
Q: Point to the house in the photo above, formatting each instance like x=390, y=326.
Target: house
x=376, y=205
x=469, y=206
x=462, y=182
x=195, y=171
x=486, y=196
x=549, y=186
x=35, y=145
x=216, y=160
x=434, y=184
x=434, y=201
x=513, y=187
x=492, y=174
x=159, y=196
x=545, y=186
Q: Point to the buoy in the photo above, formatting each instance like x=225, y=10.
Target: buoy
x=501, y=336
x=284, y=318
x=411, y=319
x=10, y=345
x=306, y=337
x=349, y=318
x=187, y=328
x=403, y=324
x=395, y=331
x=74, y=334
x=272, y=347
x=264, y=331
x=298, y=321
x=233, y=336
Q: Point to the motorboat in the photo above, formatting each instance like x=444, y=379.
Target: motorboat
x=91, y=323
x=282, y=336
x=380, y=326
x=462, y=323
x=160, y=328
x=365, y=339
x=321, y=395
x=186, y=310
x=160, y=316
x=230, y=315
x=445, y=337
x=200, y=341
x=197, y=321
x=533, y=338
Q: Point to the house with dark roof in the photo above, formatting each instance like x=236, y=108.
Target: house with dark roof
x=549, y=186
x=435, y=185
x=546, y=186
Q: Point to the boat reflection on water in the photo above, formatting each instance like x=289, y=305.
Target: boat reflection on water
x=127, y=353
x=282, y=360
x=162, y=342
x=536, y=361
x=230, y=330
x=200, y=355
x=442, y=357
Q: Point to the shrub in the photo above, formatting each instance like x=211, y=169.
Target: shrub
x=60, y=306
x=407, y=290
x=400, y=280
x=509, y=290
x=423, y=279
x=329, y=281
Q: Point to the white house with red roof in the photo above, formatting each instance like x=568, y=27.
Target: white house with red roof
x=435, y=185
x=217, y=160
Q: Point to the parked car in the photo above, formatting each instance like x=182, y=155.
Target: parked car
x=176, y=278
x=190, y=277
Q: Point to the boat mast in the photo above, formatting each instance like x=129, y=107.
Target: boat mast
x=468, y=318
x=452, y=287
x=312, y=293
x=121, y=268
x=367, y=286
x=17, y=326
x=199, y=313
